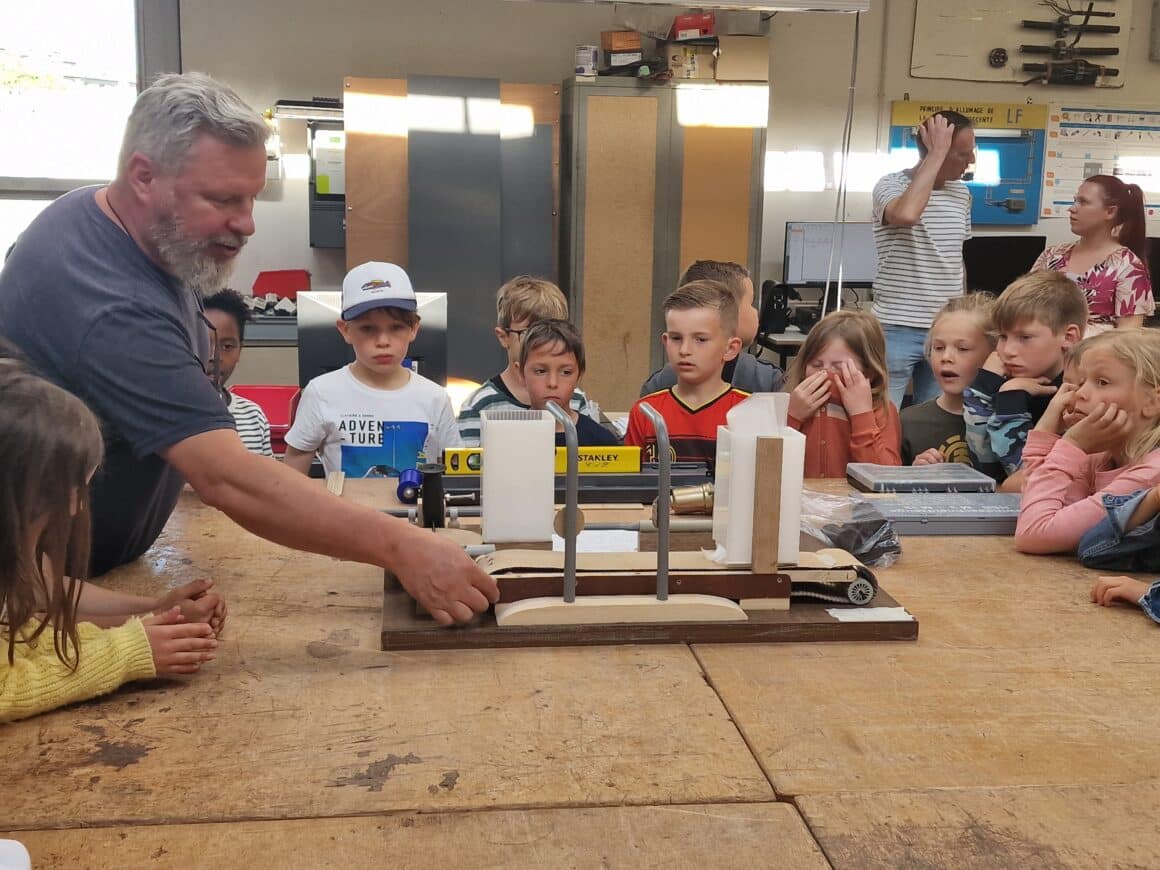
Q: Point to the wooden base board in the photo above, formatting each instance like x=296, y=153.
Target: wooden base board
x=804, y=622
x=618, y=609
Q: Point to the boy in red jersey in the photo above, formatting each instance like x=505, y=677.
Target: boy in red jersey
x=700, y=337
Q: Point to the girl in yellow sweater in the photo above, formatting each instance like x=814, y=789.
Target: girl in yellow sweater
x=50, y=444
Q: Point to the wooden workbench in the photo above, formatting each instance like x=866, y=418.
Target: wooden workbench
x=1020, y=730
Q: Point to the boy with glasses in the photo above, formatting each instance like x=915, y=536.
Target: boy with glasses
x=519, y=303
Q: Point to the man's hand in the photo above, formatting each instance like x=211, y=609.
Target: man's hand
x=930, y=456
x=441, y=577
x=1107, y=427
x=937, y=133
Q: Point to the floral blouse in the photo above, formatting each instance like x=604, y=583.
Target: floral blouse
x=1116, y=287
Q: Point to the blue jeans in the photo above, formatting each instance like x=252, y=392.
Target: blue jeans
x=906, y=360
x=1109, y=547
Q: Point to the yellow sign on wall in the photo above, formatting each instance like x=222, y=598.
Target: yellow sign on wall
x=986, y=116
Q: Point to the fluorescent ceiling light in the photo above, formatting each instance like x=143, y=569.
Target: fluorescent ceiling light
x=308, y=110
x=751, y=5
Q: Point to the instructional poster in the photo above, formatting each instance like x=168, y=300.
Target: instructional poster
x=1009, y=139
x=1087, y=141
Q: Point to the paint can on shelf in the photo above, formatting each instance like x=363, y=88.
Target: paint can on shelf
x=586, y=59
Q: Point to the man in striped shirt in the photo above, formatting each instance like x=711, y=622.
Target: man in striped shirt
x=922, y=216
x=228, y=314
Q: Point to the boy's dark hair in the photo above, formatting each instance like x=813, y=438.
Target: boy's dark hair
x=732, y=275
x=553, y=332
x=1047, y=296
x=706, y=294
x=230, y=302
x=956, y=120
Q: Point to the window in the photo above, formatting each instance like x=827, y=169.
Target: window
x=68, y=78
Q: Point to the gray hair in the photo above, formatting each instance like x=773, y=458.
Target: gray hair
x=176, y=109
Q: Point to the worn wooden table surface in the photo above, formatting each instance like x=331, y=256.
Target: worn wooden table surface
x=1020, y=730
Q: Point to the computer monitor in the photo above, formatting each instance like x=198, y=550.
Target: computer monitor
x=993, y=262
x=807, y=253
x=321, y=347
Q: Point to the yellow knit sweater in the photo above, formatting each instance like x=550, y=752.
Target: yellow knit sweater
x=38, y=681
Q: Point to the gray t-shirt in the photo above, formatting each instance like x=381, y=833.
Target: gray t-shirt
x=92, y=314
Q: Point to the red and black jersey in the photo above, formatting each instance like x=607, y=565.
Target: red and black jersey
x=692, y=431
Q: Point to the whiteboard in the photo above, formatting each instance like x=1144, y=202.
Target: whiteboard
x=953, y=38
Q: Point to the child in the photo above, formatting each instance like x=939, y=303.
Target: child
x=745, y=372
x=1037, y=318
x=839, y=397
x=519, y=303
x=552, y=363
x=960, y=340
x=228, y=314
x=1110, y=448
x=373, y=418
x=700, y=337
x=51, y=654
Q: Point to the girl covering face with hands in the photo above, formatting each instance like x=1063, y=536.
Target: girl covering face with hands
x=839, y=398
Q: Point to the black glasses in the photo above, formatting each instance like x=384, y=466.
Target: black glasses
x=518, y=333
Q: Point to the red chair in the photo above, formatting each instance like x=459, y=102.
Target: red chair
x=278, y=402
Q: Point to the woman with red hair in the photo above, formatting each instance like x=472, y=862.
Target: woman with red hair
x=1108, y=261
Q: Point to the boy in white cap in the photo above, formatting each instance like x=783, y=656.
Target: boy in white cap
x=374, y=417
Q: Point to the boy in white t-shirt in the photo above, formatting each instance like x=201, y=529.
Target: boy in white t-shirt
x=373, y=418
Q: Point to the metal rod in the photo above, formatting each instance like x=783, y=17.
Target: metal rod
x=664, y=497
x=571, y=497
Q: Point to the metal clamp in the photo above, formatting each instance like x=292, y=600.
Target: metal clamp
x=571, y=497
x=664, y=498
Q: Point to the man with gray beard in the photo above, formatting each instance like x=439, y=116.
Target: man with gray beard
x=103, y=295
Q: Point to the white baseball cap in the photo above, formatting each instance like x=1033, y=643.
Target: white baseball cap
x=376, y=285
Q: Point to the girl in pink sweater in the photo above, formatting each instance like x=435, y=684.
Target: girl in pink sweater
x=1110, y=446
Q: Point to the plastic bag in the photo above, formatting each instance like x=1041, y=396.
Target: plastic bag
x=852, y=524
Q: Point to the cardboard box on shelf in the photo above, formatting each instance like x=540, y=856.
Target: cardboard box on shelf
x=690, y=61
x=622, y=58
x=742, y=59
x=698, y=25
x=620, y=40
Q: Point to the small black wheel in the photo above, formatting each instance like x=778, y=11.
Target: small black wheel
x=861, y=591
x=997, y=58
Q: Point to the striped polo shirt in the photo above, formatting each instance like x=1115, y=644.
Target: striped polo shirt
x=253, y=428
x=919, y=267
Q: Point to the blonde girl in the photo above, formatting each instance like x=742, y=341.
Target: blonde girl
x=1099, y=436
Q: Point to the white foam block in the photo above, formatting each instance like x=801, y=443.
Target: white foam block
x=518, y=478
